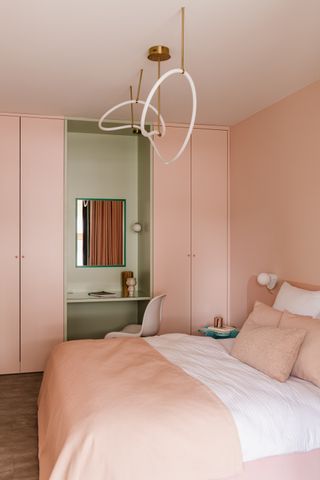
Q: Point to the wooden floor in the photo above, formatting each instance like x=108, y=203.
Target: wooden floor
x=18, y=426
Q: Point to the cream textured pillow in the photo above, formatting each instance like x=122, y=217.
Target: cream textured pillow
x=307, y=365
x=262, y=315
x=271, y=350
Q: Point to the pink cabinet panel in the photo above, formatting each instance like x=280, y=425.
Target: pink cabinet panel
x=9, y=251
x=191, y=229
x=42, y=179
x=209, y=226
x=172, y=233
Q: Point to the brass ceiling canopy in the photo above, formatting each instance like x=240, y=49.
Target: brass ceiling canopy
x=158, y=53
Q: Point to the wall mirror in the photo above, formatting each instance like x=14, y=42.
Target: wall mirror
x=100, y=232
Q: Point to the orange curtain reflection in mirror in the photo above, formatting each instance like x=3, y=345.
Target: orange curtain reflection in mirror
x=106, y=232
x=100, y=232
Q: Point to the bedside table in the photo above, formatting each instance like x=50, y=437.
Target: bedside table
x=210, y=333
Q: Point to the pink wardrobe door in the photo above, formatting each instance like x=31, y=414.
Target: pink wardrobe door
x=209, y=225
x=172, y=233
x=9, y=251
x=42, y=180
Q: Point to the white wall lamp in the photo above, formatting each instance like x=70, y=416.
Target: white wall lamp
x=158, y=53
x=268, y=280
x=136, y=227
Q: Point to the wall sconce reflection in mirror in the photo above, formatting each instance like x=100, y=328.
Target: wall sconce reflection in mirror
x=136, y=227
x=100, y=232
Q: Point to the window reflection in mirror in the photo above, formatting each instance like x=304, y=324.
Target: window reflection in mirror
x=100, y=232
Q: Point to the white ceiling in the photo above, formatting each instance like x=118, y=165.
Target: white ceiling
x=78, y=57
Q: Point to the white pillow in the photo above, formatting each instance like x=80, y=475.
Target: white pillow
x=298, y=301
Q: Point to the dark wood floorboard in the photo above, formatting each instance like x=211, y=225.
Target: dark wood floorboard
x=18, y=426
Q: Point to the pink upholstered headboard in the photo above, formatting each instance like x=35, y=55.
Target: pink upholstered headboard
x=262, y=294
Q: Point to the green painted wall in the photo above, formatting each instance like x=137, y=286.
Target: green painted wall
x=144, y=214
x=101, y=166
x=94, y=320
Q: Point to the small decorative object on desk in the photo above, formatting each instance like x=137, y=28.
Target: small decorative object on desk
x=131, y=283
x=124, y=276
x=216, y=332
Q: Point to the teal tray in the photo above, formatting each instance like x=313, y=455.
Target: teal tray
x=210, y=333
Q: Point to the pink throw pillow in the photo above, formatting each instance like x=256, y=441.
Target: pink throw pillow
x=307, y=365
x=271, y=350
x=262, y=315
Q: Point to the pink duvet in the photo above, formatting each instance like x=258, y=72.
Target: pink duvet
x=118, y=410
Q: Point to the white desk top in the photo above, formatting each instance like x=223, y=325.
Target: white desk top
x=84, y=297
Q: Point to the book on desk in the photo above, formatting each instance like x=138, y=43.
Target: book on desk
x=102, y=294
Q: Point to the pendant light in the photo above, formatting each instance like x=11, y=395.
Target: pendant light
x=158, y=53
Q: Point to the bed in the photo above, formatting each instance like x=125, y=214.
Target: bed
x=252, y=426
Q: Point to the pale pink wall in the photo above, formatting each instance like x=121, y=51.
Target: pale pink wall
x=275, y=197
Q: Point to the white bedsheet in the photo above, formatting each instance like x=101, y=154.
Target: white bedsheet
x=272, y=418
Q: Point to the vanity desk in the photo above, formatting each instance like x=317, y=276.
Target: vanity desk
x=93, y=317
x=84, y=297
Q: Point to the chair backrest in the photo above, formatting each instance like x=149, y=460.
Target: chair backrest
x=152, y=317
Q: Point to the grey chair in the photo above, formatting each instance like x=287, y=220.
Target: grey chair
x=150, y=323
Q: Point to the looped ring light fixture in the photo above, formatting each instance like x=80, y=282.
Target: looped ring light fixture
x=147, y=104
x=159, y=54
x=124, y=127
